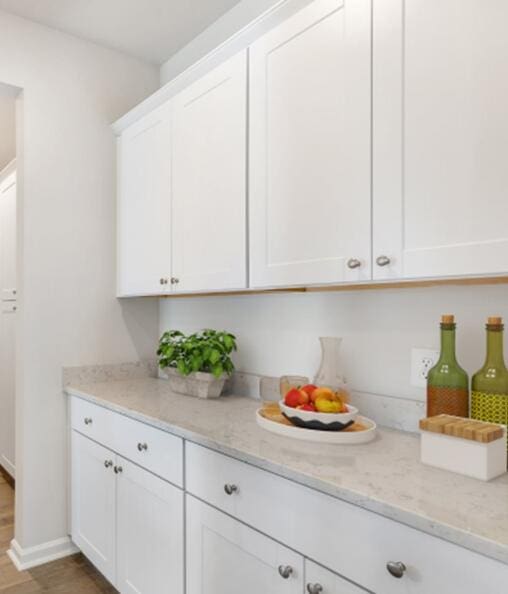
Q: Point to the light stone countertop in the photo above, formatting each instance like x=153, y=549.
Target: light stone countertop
x=384, y=476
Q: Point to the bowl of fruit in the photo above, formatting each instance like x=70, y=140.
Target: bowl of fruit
x=315, y=407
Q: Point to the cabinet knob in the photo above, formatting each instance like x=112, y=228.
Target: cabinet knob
x=285, y=571
x=118, y=469
x=174, y=280
x=314, y=588
x=383, y=261
x=396, y=568
x=142, y=447
x=161, y=281
x=230, y=489
x=354, y=263
x=88, y=420
x=108, y=463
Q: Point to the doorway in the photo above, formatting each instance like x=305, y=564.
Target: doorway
x=8, y=279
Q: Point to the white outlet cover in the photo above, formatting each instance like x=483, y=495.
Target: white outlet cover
x=422, y=360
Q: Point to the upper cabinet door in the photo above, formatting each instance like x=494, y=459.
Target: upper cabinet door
x=440, y=138
x=144, y=192
x=209, y=180
x=310, y=140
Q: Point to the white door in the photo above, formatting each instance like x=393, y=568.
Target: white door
x=440, y=138
x=8, y=305
x=226, y=557
x=93, y=503
x=209, y=180
x=150, y=533
x=310, y=145
x=322, y=581
x=144, y=209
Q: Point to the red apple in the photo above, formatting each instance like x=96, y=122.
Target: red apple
x=293, y=398
x=309, y=388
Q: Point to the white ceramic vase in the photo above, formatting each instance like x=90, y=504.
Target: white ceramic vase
x=329, y=373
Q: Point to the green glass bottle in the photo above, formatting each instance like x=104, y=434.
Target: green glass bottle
x=447, y=382
x=489, y=394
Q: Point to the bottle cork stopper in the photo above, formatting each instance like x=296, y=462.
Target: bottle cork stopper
x=447, y=319
x=495, y=321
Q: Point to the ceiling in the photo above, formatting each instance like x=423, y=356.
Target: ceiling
x=7, y=125
x=152, y=30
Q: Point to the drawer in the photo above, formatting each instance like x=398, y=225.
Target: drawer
x=319, y=580
x=94, y=421
x=153, y=449
x=351, y=541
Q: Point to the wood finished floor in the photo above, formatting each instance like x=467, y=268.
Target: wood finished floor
x=72, y=575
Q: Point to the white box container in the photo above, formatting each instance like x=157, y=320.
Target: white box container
x=483, y=461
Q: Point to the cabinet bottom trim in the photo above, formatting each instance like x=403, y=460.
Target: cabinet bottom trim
x=38, y=555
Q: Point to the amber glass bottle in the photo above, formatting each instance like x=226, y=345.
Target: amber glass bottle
x=489, y=395
x=447, y=382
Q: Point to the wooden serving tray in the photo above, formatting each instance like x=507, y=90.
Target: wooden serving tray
x=269, y=417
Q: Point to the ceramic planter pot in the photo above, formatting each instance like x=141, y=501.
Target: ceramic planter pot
x=202, y=385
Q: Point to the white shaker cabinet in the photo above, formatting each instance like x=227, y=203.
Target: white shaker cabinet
x=144, y=207
x=227, y=557
x=126, y=520
x=94, y=503
x=310, y=147
x=440, y=138
x=209, y=180
x=150, y=533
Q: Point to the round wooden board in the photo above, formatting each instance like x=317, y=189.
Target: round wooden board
x=337, y=437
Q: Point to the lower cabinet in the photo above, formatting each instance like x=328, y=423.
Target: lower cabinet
x=226, y=557
x=126, y=520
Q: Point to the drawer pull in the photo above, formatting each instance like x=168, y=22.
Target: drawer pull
x=383, y=261
x=230, y=489
x=142, y=447
x=353, y=263
x=88, y=421
x=118, y=469
x=108, y=463
x=396, y=568
x=314, y=588
x=285, y=571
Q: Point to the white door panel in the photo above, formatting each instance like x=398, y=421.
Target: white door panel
x=440, y=138
x=209, y=180
x=144, y=208
x=310, y=147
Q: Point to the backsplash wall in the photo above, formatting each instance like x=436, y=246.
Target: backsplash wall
x=278, y=333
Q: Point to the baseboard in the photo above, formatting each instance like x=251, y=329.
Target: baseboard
x=8, y=466
x=44, y=553
x=9, y=478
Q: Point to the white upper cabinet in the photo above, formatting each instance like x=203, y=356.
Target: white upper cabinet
x=440, y=138
x=310, y=147
x=144, y=208
x=209, y=180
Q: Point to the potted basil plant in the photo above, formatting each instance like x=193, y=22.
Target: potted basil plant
x=197, y=364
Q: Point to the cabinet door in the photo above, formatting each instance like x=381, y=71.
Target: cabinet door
x=321, y=581
x=144, y=190
x=7, y=321
x=150, y=533
x=310, y=127
x=226, y=557
x=440, y=138
x=209, y=180
x=93, y=503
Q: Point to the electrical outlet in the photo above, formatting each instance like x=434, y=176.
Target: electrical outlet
x=422, y=361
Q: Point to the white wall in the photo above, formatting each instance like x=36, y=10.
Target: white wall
x=68, y=312
x=278, y=333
